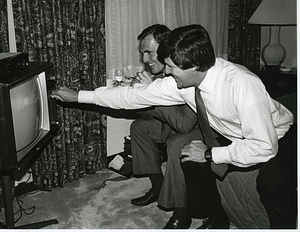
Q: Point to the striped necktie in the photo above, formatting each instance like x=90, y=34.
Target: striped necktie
x=208, y=136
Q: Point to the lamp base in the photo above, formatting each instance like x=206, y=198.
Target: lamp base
x=273, y=53
x=271, y=68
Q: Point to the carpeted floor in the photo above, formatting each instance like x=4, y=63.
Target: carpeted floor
x=90, y=204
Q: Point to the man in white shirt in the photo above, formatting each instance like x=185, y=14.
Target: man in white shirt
x=237, y=105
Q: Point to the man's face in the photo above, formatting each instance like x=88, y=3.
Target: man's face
x=148, y=48
x=184, y=78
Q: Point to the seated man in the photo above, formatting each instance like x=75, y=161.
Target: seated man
x=236, y=105
x=166, y=125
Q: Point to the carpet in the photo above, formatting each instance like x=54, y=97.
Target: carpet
x=100, y=201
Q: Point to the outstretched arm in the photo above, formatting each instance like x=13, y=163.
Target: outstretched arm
x=160, y=92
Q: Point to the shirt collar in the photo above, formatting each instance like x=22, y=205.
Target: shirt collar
x=208, y=83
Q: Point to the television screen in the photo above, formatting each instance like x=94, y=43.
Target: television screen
x=26, y=112
x=30, y=113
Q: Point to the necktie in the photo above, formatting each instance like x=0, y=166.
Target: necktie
x=208, y=136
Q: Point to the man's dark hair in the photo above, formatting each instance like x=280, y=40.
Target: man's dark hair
x=188, y=47
x=158, y=31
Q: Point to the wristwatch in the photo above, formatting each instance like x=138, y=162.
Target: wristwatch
x=208, y=155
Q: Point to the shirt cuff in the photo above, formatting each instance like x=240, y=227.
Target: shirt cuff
x=86, y=96
x=220, y=155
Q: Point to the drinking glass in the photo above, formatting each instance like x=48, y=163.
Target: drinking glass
x=118, y=76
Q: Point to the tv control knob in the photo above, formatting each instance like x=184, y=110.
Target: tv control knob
x=8, y=68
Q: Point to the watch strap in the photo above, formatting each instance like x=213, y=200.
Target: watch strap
x=208, y=155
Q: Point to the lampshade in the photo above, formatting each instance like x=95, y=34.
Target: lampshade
x=275, y=12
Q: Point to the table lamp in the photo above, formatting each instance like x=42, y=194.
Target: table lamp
x=274, y=14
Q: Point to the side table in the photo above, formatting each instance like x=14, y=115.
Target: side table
x=279, y=83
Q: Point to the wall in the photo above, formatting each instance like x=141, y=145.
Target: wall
x=117, y=129
x=288, y=38
x=118, y=126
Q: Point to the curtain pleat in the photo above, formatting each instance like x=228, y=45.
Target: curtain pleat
x=243, y=39
x=211, y=14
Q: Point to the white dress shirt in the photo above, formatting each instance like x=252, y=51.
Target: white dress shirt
x=237, y=104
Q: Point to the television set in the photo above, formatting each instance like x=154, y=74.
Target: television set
x=28, y=116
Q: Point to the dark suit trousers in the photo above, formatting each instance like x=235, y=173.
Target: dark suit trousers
x=276, y=184
x=145, y=134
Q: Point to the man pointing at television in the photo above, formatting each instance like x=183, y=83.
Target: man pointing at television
x=238, y=107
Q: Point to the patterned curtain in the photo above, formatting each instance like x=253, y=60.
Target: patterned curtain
x=71, y=35
x=243, y=38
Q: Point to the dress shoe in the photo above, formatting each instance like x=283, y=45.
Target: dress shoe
x=147, y=199
x=209, y=223
x=174, y=223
